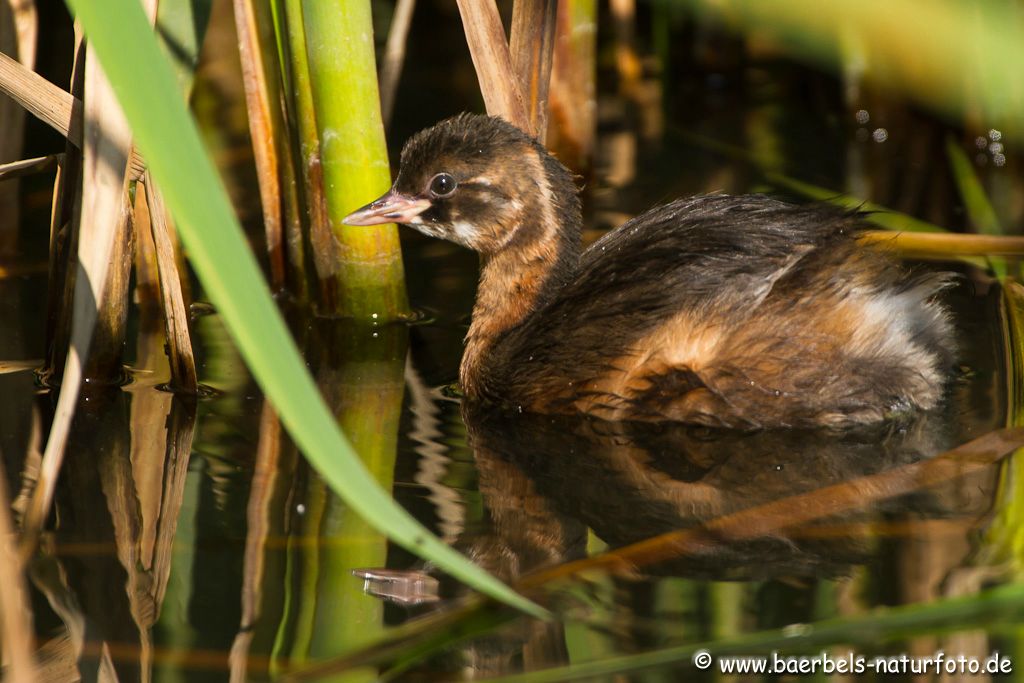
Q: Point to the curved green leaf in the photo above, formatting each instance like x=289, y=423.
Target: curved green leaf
x=169, y=141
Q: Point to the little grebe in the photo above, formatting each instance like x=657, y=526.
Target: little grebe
x=726, y=311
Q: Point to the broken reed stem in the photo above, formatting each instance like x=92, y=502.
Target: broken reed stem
x=53, y=106
x=492, y=60
x=26, y=167
x=339, y=48
x=179, y=343
x=394, y=57
x=57, y=108
x=147, y=280
x=532, y=43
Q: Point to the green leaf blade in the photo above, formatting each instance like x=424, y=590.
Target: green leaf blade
x=166, y=135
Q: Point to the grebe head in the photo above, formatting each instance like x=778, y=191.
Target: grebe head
x=477, y=181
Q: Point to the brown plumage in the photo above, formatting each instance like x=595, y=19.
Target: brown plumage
x=732, y=311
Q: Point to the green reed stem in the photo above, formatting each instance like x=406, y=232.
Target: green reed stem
x=353, y=154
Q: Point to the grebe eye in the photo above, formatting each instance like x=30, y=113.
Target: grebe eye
x=442, y=185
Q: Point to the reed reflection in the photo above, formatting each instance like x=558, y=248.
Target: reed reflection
x=312, y=607
x=105, y=563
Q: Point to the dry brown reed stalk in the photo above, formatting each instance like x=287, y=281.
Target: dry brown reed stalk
x=263, y=77
x=532, y=44
x=295, y=228
x=18, y=28
x=394, y=57
x=62, y=110
x=514, y=80
x=946, y=244
x=162, y=425
x=15, y=615
x=105, y=352
x=492, y=59
x=104, y=236
x=147, y=279
x=64, y=213
x=265, y=124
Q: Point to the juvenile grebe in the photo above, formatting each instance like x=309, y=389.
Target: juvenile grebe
x=728, y=311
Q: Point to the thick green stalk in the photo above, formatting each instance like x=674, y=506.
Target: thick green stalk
x=353, y=154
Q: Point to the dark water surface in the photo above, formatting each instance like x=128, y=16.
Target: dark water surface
x=189, y=540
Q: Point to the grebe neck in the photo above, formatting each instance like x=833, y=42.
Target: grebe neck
x=541, y=255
